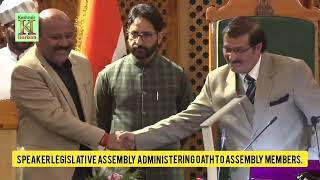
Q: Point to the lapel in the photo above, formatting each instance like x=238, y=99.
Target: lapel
x=52, y=74
x=79, y=75
x=230, y=93
x=263, y=91
x=264, y=83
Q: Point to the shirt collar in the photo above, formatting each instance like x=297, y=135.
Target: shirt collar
x=138, y=63
x=13, y=55
x=254, y=73
x=66, y=65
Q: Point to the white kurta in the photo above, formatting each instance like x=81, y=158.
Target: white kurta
x=8, y=61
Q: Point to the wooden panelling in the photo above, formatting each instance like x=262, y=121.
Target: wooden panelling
x=67, y=6
x=8, y=138
x=194, y=54
x=186, y=40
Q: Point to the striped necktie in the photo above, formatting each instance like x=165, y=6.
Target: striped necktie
x=251, y=91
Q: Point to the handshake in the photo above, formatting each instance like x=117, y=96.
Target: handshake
x=121, y=140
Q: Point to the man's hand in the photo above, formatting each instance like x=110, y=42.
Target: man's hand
x=114, y=141
x=127, y=140
x=120, y=141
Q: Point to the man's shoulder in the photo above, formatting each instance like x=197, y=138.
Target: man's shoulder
x=78, y=57
x=280, y=57
x=169, y=63
x=3, y=50
x=29, y=59
x=279, y=60
x=115, y=65
x=219, y=75
x=220, y=71
x=4, y=54
x=77, y=54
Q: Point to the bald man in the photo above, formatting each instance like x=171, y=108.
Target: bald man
x=52, y=86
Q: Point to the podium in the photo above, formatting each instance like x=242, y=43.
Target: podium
x=8, y=138
x=241, y=103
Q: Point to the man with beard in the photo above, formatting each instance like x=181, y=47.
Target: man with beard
x=53, y=89
x=14, y=50
x=143, y=85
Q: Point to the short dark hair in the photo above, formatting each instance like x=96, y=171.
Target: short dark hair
x=147, y=12
x=242, y=25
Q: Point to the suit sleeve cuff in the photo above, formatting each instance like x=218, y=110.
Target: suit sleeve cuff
x=104, y=140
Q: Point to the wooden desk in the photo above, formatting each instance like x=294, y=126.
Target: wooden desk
x=8, y=138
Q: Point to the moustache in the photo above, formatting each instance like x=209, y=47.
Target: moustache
x=62, y=48
x=140, y=47
x=234, y=62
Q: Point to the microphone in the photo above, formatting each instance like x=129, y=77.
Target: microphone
x=314, y=121
x=306, y=176
x=240, y=102
x=269, y=124
x=223, y=139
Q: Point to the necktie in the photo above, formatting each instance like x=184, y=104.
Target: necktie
x=251, y=91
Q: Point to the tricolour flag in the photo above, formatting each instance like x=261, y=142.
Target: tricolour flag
x=103, y=38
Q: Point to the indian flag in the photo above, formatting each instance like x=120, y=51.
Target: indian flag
x=103, y=40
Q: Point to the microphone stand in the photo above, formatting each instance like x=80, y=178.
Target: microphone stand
x=314, y=121
x=308, y=175
x=223, y=139
x=269, y=124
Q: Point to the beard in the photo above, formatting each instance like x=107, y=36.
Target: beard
x=142, y=52
x=19, y=46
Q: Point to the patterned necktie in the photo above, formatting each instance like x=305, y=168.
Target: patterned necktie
x=251, y=91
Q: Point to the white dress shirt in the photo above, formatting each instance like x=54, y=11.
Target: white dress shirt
x=8, y=61
x=254, y=73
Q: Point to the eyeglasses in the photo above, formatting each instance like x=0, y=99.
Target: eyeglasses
x=145, y=36
x=237, y=51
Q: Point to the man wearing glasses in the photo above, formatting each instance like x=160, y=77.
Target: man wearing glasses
x=276, y=86
x=143, y=87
